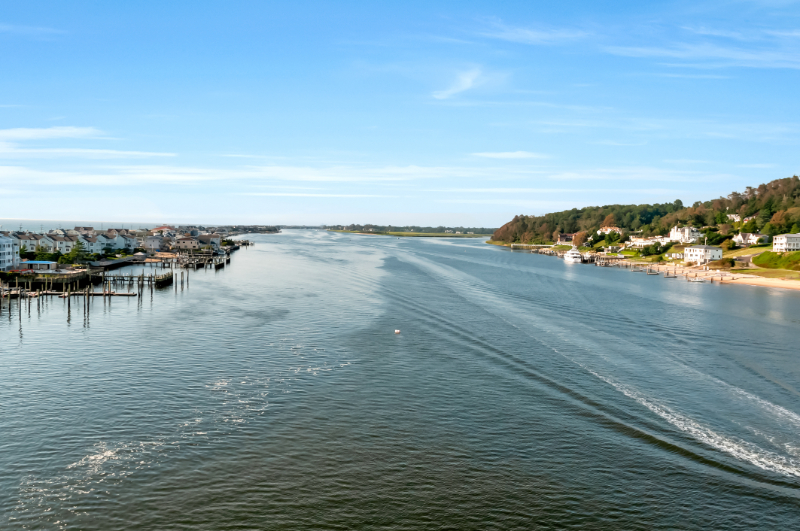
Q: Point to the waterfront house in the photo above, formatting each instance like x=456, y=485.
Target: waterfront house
x=89, y=243
x=683, y=234
x=786, y=243
x=563, y=239
x=187, y=243
x=128, y=242
x=213, y=240
x=702, y=254
x=63, y=244
x=153, y=243
x=749, y=238
x=9, y=258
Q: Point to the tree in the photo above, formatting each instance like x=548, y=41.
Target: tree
x=580, y=238
x=76, y=255
x=795, y=229
x=610, y=221
x=728, y=245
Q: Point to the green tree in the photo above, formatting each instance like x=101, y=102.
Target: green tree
x=795, y=229
x=76, y=255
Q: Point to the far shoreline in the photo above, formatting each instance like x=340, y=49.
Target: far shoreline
x=412, y=234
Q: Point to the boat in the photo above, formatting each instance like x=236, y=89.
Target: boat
x=573, y=256
x=697, y=279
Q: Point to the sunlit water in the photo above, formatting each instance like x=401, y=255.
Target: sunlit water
x=522, y=392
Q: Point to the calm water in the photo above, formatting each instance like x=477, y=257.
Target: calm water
x=522, y=393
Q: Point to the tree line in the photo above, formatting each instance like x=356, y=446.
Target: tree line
x=775, y=208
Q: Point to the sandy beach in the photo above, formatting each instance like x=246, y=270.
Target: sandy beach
x=724, y=277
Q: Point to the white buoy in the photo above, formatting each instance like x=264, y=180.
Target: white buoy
x=397, y=331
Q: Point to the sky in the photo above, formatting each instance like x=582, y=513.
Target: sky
x=427, y=113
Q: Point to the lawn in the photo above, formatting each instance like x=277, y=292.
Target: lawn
x=772, y=260
x=747, y=251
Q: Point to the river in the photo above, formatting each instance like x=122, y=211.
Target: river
x=521, y=392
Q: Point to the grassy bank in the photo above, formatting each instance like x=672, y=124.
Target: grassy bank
x=770, y=260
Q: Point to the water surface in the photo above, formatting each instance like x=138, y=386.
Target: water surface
x=522, y=392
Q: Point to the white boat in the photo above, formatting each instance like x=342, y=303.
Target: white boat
x=573, y=256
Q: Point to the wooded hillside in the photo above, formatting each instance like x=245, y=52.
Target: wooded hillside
x=776, y=206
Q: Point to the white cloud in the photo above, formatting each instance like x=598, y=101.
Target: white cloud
x=464, y=81
x=510, y=155
x=8, y=150
x=10, y=139
x=713, y=56
x=29, y=133
x=32, y=31
x=532, y=36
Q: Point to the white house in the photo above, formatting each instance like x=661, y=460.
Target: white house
x=786, y=243
x=684, y=234
x=9, y=258
x=64, y=244
x=94, y=244
x=749, y=238
x=153, y=243
x=607, y=230
x=734, y=217
x=187, y=243
x=213, y=240
x=128, y=242
x=702, y=254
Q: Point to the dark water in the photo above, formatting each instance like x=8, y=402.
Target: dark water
x=522, y=393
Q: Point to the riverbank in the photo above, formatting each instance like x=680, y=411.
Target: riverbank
x=731, y=276
x=768, y=278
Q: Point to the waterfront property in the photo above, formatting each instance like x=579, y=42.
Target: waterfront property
x=9, y=258
x=702, y=254
x=746, y=238
x=684, y=234
x=786, y=243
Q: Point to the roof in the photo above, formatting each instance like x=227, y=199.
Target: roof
x=37, y=262
x=704, y=247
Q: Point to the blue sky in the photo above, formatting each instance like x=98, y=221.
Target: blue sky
x=406, y=113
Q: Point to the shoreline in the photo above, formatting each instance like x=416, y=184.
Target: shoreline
x=719, y=276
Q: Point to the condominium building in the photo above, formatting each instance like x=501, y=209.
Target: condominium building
x=786, y=243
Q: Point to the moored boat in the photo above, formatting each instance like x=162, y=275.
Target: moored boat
x=573, y=256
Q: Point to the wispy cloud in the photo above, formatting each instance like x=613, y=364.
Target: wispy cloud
x=464, y=81
x=524, y=35
x=510, y=155
x=765, y=166
x=31, y=31
x=45, y=133
x=713, y=56
x=10, y=140
x=8, y=150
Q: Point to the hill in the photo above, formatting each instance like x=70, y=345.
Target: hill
x=775, y=207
